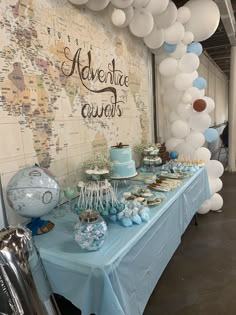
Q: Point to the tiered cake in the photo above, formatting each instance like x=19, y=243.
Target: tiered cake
x=123, y=166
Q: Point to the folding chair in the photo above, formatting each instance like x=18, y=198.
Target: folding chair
x=225, y=150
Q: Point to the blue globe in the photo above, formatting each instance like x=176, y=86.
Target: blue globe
x=33, y=192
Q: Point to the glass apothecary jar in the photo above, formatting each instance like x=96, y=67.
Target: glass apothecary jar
x=90, y=231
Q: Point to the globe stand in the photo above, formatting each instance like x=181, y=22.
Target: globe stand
x=38, y=226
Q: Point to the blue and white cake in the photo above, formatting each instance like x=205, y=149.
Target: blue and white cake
x=122, y=164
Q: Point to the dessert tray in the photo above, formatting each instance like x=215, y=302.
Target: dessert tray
x=145, y=196
x=165, y=184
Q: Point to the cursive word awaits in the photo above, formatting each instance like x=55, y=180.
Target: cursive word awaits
x=86, y=72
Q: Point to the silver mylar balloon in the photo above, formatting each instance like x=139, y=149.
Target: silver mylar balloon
x=24, y=289
x=97, y=5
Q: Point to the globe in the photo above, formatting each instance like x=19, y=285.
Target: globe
x=33, y=192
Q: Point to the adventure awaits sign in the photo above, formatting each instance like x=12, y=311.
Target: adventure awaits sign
x=111, y=77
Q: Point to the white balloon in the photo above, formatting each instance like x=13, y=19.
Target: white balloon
x=174, y=34
x=129, y=12
x=172, y=98
x=183, y=81
x=203, y=154
x=121, y=3
x=205, y=207
x=173, y=117
x=216, y=202
x=180, y=50
x=172, y=143
x=215, y=185
x=168, y=67
x=180, y=129
x=142, y=23
x=184, y=15
x=185, y=150
x=195, y=139
x=140, y=3
x=189, y=63
x=200, y=121
x=78, y=2
x=118, y=17
x=215, y=169
x=184, y=110
x=157, y=6
x=95, y=5
x=168, y=17
x=188, y=38
x=192, y=94
x=155, y=39
x=210, y=104
x=205, y=18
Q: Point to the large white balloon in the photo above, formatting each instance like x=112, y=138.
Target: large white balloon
x=155, y=39
x=195, y=139
x=210, y=104
x=78, y=2
x=205, y=207
x=95, y=5
x=140, y=3
x=215, y=169
x=173, y=116
x=142, y=23
x=180, y=51
x=203, y=154
x=215, y=185
x=216, y=202
x=191, y=94
x=205, y=18
x=184, y=110
x=185, y=150
x=188, y=38
x=168, y=67
x=121, y=3
x=171, y=143
x=174, y=34
x=184, y=15
x=118, y=17
x=200, y=121
x=183, y=81
x=168, y=17
x=157, y=6
x=180, y=129
x=189, y=63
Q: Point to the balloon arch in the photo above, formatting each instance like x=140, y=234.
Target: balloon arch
x=174, y=36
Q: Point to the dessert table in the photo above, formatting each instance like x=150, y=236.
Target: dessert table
x=120, y=277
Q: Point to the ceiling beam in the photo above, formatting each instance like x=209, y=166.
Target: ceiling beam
x=228, y=19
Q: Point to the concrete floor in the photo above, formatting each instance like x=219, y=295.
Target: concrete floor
x=200, y=279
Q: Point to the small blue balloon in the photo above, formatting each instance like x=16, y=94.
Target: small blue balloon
x=195, y=48
x=173, y=155
x=200, y=83
x=211, y=135
x=169, y=48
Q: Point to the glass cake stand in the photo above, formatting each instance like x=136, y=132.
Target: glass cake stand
x=123, y=181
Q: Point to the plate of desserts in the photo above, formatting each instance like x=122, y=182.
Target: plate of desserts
x=165, y=184
x=144, y=196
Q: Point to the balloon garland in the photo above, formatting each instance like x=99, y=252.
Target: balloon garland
x=174, y=35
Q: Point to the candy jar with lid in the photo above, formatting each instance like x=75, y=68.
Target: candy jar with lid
x=90, y=231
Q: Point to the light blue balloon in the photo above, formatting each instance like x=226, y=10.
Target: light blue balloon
x=211, y=135
x=195, y=48
x=169, y=48
x=200, y=83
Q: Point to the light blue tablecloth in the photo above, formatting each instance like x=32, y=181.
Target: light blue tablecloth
x=120, y=277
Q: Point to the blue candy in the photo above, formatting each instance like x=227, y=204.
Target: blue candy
x=126, y=222
x=136, y=219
